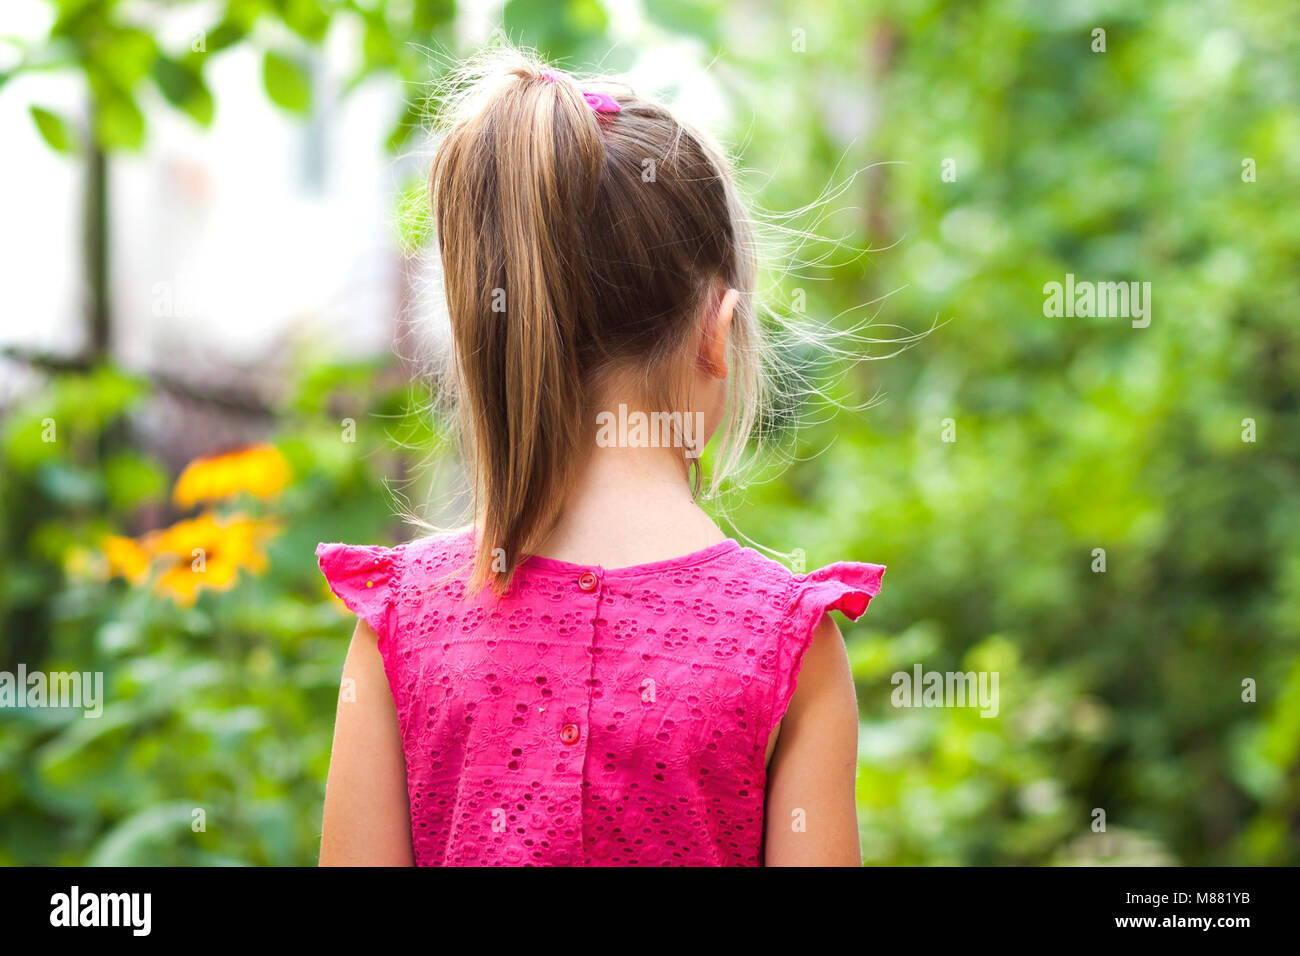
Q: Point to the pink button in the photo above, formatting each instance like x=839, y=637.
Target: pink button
x=569, y=734
x=587, y=581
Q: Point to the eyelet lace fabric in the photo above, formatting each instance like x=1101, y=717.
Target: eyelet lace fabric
x=589, y=716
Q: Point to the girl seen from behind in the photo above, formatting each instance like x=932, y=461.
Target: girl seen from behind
x=592, y=673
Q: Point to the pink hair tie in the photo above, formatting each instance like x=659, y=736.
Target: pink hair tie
x=599, y=102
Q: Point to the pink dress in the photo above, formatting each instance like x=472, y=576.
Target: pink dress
x=589, y=716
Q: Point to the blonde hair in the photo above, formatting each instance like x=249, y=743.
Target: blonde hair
x=575, y=245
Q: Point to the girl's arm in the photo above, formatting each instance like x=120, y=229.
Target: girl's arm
x=811, y=811
x=367, y=817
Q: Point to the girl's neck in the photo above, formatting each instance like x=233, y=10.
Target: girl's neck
x=630, y=506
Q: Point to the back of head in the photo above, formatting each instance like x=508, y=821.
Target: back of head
x=576, y=246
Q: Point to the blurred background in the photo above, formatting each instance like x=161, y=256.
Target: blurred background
x=212, y=303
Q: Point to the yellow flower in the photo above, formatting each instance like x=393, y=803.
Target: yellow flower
x=205, y=552
x=201, y=552
x=259, y=470
x=126, y=558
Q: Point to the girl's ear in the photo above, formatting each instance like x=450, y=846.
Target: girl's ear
x=713, y=338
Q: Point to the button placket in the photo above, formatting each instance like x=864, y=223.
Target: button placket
x=571, y=732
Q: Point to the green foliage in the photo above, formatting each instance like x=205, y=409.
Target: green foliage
x=114, y=49
x=286, y=82
x=54, y=129
x=181, y=82
x=558, y=27
x=1120, y=690
x=214, y=738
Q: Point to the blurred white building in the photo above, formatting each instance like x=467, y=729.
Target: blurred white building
x=244, y=245
x=226, y=242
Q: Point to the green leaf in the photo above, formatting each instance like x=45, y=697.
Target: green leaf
x=558, y=28
x=684, y=17
x=429, y=15
x=132, y=480
x=182, y=84
x=287, y=82
x=306, y=18
x=379, y=47
x=225, y=34
x=123, y=55
x=54, y=129
x=119, y=124
x=75, y=407
x=70, y=485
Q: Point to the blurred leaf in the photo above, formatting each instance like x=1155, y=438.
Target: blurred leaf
x=686, y=16
x=119, y=124
x=555, y=27
x=183, y=85
x=133, y=479
x=287, y=82
x=225, y=34
x=69, y=485
x=124, y=55
x=54, y=129
x=305, y=17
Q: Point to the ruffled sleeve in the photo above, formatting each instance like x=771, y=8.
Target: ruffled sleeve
x=363, y=577
x=847, y=587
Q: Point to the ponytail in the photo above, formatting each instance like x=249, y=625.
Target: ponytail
x=559, y=262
